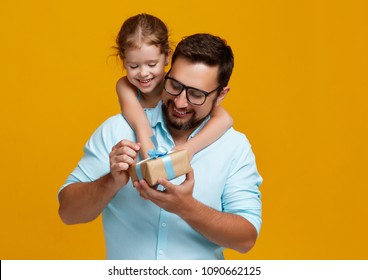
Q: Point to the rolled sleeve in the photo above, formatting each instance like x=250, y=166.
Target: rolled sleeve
x=241, y=194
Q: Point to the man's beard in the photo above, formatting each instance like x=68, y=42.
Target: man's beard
x=192, y=123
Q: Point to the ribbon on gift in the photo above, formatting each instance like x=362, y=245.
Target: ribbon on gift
x=158, y=152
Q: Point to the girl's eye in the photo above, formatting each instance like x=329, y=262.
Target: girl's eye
x=152, y=64
x=133, y=66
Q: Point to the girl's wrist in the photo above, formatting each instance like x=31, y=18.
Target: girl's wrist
x=189, y=149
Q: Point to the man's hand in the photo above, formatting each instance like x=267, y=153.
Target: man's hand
x=176, y=199
x=122, y=155
x=82, y=202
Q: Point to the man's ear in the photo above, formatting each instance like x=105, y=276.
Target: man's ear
x=222, y=95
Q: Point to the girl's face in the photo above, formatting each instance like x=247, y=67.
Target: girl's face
x=145, y=67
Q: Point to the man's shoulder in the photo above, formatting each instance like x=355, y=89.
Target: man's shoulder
x=235, y=137
x=115, y=122
x=114, y=128
x=232, y=144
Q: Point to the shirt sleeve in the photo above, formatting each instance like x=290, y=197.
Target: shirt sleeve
x=241, y=194
x=95, y=162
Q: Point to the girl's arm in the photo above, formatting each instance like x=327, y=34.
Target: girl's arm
x=219, y=123
x=134, y=113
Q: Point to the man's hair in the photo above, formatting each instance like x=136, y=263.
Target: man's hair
x=210, y=50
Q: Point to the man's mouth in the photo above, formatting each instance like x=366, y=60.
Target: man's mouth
x=180, y=113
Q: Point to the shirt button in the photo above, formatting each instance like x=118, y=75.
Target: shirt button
x=163, y=224
x=161, y=252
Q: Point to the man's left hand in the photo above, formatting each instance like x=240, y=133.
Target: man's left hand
x=175, y=198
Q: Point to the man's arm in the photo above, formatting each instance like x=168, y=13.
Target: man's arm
x=225, y=229
x=82, y=202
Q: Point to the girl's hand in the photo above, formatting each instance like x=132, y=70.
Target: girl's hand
x=185, y=147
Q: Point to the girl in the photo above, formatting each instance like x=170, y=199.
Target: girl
x=144, y=49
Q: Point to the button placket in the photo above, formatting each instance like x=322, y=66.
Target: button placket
x=162, y=235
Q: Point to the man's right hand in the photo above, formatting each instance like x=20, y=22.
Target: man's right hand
x=122, y=155
x=82, y=202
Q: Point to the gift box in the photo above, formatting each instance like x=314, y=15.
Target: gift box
x=168, y=166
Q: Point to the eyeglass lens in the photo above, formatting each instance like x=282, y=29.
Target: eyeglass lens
x=194, y=96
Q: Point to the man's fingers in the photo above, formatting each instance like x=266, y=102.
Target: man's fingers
x=122, y=158
x=142, y=188
x=124, y=151
x=123, y=155
x=127, y=143
x=166, y=184
x=190, y=176
x=119, y=166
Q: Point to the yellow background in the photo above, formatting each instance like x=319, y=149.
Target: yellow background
x=299, y=92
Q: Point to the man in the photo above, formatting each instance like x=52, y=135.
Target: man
x=215, y=206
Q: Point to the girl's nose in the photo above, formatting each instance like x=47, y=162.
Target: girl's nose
x=143, y=71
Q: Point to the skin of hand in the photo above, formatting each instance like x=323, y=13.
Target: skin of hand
x=175, y=199
x=189, y=149
x=122, y=155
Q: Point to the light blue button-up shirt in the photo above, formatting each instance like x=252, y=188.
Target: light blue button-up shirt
x=226, y=179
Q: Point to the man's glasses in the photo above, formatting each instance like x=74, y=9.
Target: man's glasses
x=194, y=95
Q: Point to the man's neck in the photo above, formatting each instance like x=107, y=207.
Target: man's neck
x=180, y=136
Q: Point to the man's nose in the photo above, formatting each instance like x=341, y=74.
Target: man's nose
x=181, y=100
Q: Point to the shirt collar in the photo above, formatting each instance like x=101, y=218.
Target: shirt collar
x=158, y=117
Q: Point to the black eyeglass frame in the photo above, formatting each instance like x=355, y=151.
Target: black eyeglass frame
x=184, y=87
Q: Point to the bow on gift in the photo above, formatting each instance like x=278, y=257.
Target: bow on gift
x=158, y=152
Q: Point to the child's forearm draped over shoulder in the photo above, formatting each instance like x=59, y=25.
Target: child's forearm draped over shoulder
x=218, y=124
x=134, y=113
